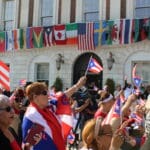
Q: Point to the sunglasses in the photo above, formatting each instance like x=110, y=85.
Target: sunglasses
x=7, y=109
x=44, y=93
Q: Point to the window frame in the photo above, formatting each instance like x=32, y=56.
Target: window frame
x=89, y=12
x=140, y=7
x=46, y=16
x=14, y=21
x=46, y=80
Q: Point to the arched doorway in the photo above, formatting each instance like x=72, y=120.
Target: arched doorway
x=80, y=67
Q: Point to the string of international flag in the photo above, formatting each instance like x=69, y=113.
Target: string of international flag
x=87, y=36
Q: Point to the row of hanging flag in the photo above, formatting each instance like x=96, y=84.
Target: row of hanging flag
x=87, y=36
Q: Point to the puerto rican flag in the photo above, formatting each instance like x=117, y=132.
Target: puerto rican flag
x=115, y=112
x=136, y=79
x=22, y=82
x=33, y=116
x=64, y=111
x=94, y=66
x=71, y=138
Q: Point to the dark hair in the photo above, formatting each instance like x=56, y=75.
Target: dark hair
x=19, y=94
x=80, y=96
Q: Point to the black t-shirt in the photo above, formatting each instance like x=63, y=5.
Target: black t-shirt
x=4, y=142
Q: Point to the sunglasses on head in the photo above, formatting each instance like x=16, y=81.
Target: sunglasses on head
x=7, y=109
x=44, y=92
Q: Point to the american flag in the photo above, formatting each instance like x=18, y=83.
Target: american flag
x=86, y=36
x=4, y=76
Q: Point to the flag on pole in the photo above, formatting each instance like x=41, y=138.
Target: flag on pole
x=4, y=76
x=136, y=79
x=94, y=66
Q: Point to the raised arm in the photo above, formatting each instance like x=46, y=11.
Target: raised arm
x=75, y=87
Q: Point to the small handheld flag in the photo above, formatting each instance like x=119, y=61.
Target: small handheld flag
x=136, y=79
x=115, y=112
x=22, y=82
x=93, y=66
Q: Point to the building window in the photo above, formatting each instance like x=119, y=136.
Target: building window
x=142, y=8
x=47, y=12
x=42, y=72
x=73, y=11
x=123, y=9
x=8, y=14
x=90, y=10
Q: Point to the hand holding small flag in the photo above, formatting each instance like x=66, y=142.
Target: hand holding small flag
x=136, y=79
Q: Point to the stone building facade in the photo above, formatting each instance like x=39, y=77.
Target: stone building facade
x=40, y=64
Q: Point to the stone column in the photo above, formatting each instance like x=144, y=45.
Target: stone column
x=79, y=11
x=130, y=9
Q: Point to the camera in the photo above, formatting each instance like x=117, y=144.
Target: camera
x=81, y=96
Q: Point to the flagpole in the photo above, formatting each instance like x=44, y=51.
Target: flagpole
x=88, y=66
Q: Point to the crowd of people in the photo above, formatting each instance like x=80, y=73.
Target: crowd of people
x=122, y=119
x=30, y=118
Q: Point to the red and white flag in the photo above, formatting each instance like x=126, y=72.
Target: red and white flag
x=94, y=66
x=60, y=34
x=64, y=111
x=22, y=82
x=115, y=112
x=4, y=75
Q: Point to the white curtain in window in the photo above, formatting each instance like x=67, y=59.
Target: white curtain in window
x=9, y=14
x=91, y=10
x=46, y=12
